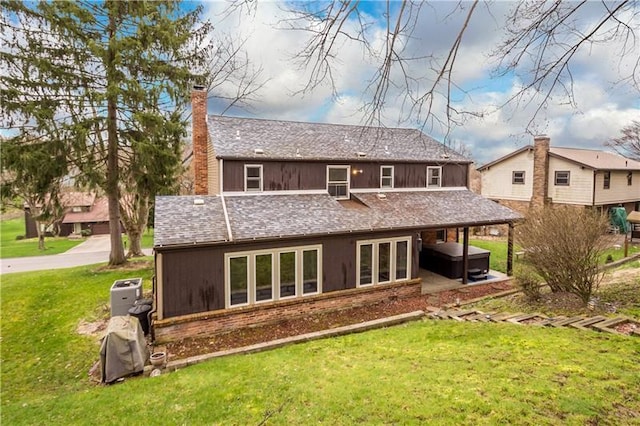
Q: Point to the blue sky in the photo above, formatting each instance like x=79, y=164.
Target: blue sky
x=602, y=108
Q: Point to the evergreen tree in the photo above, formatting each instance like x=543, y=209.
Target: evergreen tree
x=107, y=78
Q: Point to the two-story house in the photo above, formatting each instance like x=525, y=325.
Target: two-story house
x=291, y=217
x=570, y=176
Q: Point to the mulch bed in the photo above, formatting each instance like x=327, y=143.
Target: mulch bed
x=323, y=321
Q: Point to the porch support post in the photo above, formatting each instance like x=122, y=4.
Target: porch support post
x=465, y=255
x=510, y=251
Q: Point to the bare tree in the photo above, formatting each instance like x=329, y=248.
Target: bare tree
x=629, y=143
x=564, y=246
x=541, y=42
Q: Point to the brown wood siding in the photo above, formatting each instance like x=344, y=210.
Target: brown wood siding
x=410, y=175
x=454, y=175
x=293, y=175
x=193, y=279
x=277, y=175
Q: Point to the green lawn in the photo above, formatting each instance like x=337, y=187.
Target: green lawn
x=498, y=249
x=10, y=247
x=427, y=372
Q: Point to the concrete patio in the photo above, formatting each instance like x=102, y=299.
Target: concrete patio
x=434, y=283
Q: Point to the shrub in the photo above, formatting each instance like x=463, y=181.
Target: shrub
x=528, y=282
x=19, y=237
x=564, y=246
x=85, y=232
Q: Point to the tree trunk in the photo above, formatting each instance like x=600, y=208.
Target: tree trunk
x=136, y=225
x=40, y=236
x=116, y=257
x=135, y=247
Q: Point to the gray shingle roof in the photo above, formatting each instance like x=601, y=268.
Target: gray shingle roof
x=178, y=221
x=234, y=137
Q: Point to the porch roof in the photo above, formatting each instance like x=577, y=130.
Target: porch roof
x=180, y=221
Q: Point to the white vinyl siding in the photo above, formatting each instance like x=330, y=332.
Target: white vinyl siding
x=580, y=188
x=497, y=181
x=619, y=191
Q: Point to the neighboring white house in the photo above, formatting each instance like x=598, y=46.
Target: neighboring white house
x=571, y=176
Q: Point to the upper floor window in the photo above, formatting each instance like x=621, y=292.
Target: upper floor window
x=338, y=181
x=517, y=178
x=434, y=177
x=607, y=180
x=253, y=177
x=386, y=176
x=76, y=209
x=629, y=178
x=562, y=178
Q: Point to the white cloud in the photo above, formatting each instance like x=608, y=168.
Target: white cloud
x=602, y=109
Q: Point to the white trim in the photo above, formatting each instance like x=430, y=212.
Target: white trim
x=226, y=217
x=392, y=260
x=420, y=189
x=259, y=166
x=159, y=287
x=392, y=177
x=221, y=176
x=275, y=273
x=340, y=166
x=439, y=168
x=283, y=192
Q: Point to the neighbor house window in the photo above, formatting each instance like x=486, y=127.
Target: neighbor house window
x=607, y=180
x=338, y=181
x=76, y=209
x=629, y=179
x=267, y=275
x=383, y=261
x=386, y=176
x=434, y=177
x=253, y=177
x=517, y=178
x=562, y=178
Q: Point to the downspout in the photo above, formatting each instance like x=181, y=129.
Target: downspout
x=593, y=191
x=465, y=255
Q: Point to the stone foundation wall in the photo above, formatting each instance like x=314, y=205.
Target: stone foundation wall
x=209, y=323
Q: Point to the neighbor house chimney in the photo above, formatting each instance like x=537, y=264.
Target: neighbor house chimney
x=200, y=139
x=540, y=172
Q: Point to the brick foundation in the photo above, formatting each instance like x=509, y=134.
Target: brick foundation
x=209, y=323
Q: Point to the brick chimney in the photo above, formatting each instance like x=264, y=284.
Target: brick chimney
x=200, y=139
x=540, y=172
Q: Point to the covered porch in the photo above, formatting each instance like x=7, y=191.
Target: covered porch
x=435, y=283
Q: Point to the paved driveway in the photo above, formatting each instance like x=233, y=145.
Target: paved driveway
x=94, y=250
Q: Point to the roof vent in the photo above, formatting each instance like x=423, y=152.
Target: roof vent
x=198, y=202
x=386, y=149
x=237, y=134
x=258, y=151
x=361, y=154
x=382, y=196
x=445, y=155
x=298, y=153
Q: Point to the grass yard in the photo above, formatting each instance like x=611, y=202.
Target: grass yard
x=10, y=247
x=498, y=249
x=428, y=372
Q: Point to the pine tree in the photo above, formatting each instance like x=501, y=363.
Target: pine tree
x=107, y=79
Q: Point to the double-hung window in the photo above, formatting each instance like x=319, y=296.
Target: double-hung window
x=629, y=178
x=386, y=176
x=434, y=177
x=383, y=261
x=338, y=181
x=253, y=177
x=562, y=178
x=268, y=275
x=517, y=178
